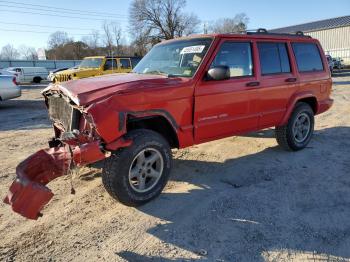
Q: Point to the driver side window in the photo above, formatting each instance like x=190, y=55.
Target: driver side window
x=237, y=56
x=110, y=64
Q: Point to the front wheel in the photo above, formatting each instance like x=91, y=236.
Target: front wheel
x=297, y=133
x=137, y=174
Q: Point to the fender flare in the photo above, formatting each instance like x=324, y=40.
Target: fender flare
x=147, y=114
x=292, y=102
x=154, y=112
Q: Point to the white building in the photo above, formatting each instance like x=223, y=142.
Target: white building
x=333, y=34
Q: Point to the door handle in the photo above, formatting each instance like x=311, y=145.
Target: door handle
x=255, y=83
x=291, y=80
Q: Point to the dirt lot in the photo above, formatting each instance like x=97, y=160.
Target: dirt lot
x=236, y=199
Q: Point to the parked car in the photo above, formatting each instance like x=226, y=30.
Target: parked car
x=184, y=92
x=330, y=63
x=338, y=63
x=96, y=66
x=52, y=73
x=29, y=74
x=8, y=87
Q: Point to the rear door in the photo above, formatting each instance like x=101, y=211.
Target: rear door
x=227, y=107
x=278, y=81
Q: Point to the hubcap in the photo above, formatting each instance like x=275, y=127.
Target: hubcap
x=145, y=170
x=301, y=127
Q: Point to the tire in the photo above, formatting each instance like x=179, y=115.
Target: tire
x=37, y=79
x=300, y=137
x=118, y=174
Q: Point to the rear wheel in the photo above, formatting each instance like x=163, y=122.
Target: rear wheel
x=37, y=79
x=137, y=174
x=297, y=133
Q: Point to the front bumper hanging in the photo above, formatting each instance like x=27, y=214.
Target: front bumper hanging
x=28, y=193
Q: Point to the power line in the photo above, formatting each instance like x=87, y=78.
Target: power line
x=65, y=16
x=31, y=31
x=57, y=11
x=46, y=26
x=55, y=8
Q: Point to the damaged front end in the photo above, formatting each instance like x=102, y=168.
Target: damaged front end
x=76, y=143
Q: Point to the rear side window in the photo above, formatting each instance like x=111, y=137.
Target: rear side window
x=308, y=57
x=273, y=58
x=237, y=56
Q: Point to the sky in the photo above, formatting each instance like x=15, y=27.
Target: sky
x=31, y=24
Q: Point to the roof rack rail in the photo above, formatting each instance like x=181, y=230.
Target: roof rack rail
x=265, y=32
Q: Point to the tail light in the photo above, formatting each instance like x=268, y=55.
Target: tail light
x=14, y=81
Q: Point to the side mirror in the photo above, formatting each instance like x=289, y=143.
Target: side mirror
x=219, y=73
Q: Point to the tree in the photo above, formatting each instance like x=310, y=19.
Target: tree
x=231, y=25
x=112, y=37
x=155, y=20
x=58, y=38
x=93, y=39
x=9, y=52
x=108, y=38
x=28, y=53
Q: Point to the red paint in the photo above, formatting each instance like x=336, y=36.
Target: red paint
x=28, y=193
x=197, y=110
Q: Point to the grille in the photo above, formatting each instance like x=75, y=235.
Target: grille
x=63, y=77
x=63, y=113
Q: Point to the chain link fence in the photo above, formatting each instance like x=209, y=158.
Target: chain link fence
x=49, y=64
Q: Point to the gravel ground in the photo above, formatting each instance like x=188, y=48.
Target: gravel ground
x=236, y=199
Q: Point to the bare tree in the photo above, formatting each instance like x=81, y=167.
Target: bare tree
x=27, y=52
x=9, y=52
x=93, y=39
x=161, y=19
x=112, y=37
x=58, y=38
x=117, y=34
x=108, y=37
x=230, y=25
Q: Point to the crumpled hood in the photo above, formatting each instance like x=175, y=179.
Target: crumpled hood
x=87, y=90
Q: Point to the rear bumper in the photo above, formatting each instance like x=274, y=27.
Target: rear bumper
x=28, y=194
x=324, y=105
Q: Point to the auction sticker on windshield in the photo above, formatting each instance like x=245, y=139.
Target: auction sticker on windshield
x=192, y=49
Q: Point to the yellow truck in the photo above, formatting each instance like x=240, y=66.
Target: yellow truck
x=96, y=66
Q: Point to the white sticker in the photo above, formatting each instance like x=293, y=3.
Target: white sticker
x=196, y=49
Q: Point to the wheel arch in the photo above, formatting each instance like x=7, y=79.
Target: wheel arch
x=307, y=98
x=157, y=120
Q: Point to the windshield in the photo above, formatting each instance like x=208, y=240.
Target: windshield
x=178, y=58
x=91, y=63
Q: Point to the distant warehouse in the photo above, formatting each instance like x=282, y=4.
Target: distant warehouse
x=334, y=35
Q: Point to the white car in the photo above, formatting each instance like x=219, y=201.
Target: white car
x=28, y=74
x=8, y=87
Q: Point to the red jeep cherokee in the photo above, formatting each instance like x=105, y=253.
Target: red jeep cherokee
x=183, y=92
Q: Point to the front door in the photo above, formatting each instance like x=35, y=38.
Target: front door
x=110, y=66
x=227, y=107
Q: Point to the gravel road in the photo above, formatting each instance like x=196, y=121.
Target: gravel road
x=236, y=199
